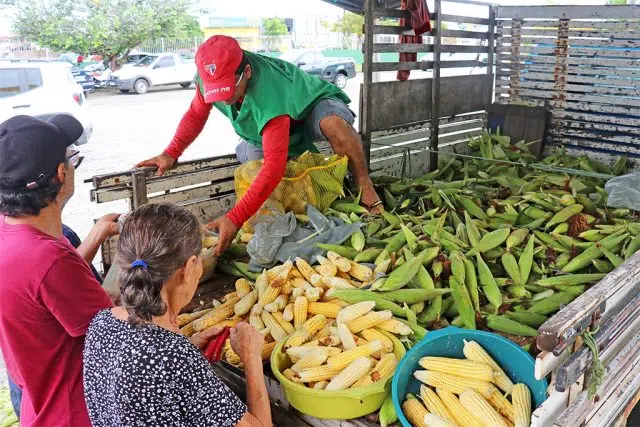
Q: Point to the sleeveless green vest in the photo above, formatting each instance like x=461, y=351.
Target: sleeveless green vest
x=277, y=88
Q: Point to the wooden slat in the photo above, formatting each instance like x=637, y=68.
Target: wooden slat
x=598, y=118
x=394, y=66
x=627, y=143
x=464, y=19
x=401, y=47
x=391, y=106
x=452, y=48
x=596, y=145
x=390, y=13
x=379, y=151
x=595, y=54
x=598, y=127
x=465, y=34
x=600, y=62
x=590, y=89
x=462, y=64
x=458, y=136
x=208, y=210
x=506, y=68
x=461, y=126
x=391, y=29
x=595, y=108
x=568, y=12
x=578, y=24
x=206, y=191
x=123, y=178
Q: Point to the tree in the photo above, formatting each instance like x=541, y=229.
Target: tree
x=110, y=28
x=274, y=29
x=349, y=25
x=618, y=2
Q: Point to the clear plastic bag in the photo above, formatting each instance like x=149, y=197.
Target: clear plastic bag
x=624, y=191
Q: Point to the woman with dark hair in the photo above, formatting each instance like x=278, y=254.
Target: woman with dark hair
x=138, y=368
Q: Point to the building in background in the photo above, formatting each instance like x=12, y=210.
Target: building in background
x=245, y=30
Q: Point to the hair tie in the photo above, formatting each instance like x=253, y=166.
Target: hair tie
x=139, y=263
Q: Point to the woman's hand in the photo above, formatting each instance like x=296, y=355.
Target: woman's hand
x=201, y=339
x=246, y=341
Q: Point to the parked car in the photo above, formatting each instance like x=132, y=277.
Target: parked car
x=42, y=89
x=334, y=70
x=155, y=70
x=84, y=78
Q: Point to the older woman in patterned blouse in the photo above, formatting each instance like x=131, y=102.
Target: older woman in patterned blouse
x=138, y=369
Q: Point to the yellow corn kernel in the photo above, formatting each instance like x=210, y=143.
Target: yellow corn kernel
x=309, y=360
x=277, y=332
x=433, y=420
x=314, y=324
x=316, y=281
x=296, y=353
x=474, y=351
x=521, y=398
x=312, y=343
x=355, y=311
x=369, y=320
x=415, y=412
x=270, y=294
x=343, y=359
x=287, y=288
x=344, y=276
x=383, y=368
x=244, y=305
x=287, y=313
x=228, y=322
x=187, y=330
x=336, y=283
x=217, y=315
x=305, y=269
x=232, y=357
x=300, y=312
x=301, y=284
x=325, y=308
x=360, y=272
x=297, y=292
x=453, y=383
x=290, y=375
x=215, y=303
x=501, y=404
x=459, y=367
x=287, y=326
x=229, y=296
x=281, y=274
x=186, y=318
x=318, y=373
x=350, y=374
x=341, y=262
x=434, y=404
x=320, y=385
x=294, y=273
x=256, y=321
x=313, y=294
x=461, y=415
x=297, y=338
x=346, y=337
x=326, y=270
x=479, y=408
x=373, y=334
x=330, y=341
x=395, y=327
x=360, y=340
x=243, y=287
x=262, y=282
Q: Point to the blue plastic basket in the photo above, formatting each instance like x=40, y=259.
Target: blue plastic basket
x=448, y=342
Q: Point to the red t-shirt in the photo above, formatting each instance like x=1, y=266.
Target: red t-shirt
x=48, y=297
x=275, y=145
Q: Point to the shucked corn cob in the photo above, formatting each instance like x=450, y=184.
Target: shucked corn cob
x=414, y=411
x=521, y=397
x=350, y=374
x=453, y=383
x=434, y=404
x=474, y=351
x=458, y=367
x=480, y=409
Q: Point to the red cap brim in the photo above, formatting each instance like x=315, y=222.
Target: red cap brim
x=220, y=91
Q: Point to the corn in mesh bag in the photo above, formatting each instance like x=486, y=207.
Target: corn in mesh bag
x=311, y=178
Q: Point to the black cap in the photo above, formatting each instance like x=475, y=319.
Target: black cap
x=31, y=149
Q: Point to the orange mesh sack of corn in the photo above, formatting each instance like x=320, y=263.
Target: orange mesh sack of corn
x=312, y=178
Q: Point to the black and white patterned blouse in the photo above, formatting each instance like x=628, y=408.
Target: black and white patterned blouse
x=149, y=376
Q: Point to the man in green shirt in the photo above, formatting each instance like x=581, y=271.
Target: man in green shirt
x=278, y=111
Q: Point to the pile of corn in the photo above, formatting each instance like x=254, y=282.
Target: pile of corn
x=348, y=352
x=467, y=393
x=296, y=302
x=8, y=417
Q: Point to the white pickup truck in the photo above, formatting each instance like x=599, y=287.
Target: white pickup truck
x=154, y=70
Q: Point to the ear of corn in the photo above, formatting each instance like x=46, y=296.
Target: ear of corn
x=217, y=315
x=336, y=283
x=274, y=326
x=340, y=262
x=373, y=334
x=256, y=321
x=186, y=318
x=474, y=351
x=232, y=357
x=385, y=366
x=305, y=269
x=394, y=326
x=354, y=311
x=346, y=338
x=301, y=284
x=434, y=404
x=459, y=367
x=329, y=270
x=323, y=333
x=267, y=349
x=300, y=312
x=310, y=360
x=286, y=326
x=453, y=383
x=270, y=294
x=320, y=385
x=433, y=420
x=318, y=373
x=369, y=320
x=298, y=338
x=501, y=404
x=415, y=412
x=461, y=415
x=314, y=324
x=296, y=353
x=313, y=294
x=343, y=359
x=479, y=408
x=328, y=309
x=242, y=287
x=287, y=313
x=360, y=272
x=521, y=397
x=350, y=374
x=244, y=305
x=187, y=330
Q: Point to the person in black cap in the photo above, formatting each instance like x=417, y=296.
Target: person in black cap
x=48, y=293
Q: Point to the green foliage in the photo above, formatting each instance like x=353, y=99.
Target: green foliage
x=618, y=2
x=274, y=29
x=110, y=28
x=349, y=24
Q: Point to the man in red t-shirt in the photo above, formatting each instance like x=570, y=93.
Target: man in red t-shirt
x=48, y=294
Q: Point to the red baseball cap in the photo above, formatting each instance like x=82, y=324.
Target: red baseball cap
x=217, y=60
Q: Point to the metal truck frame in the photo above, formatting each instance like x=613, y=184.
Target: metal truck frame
x=581, y=63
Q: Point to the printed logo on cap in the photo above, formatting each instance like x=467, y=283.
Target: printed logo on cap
x=210, y=68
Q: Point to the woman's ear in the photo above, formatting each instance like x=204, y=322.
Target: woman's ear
x=193, y=268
